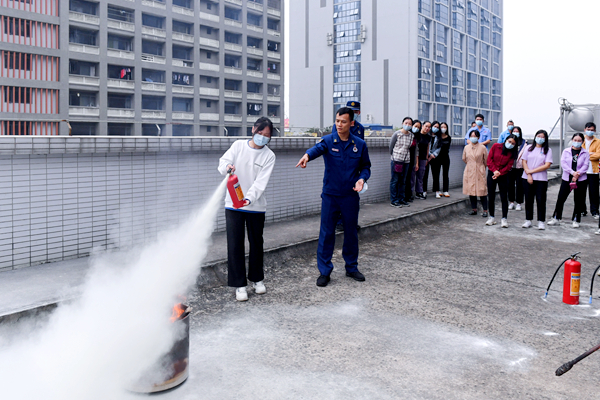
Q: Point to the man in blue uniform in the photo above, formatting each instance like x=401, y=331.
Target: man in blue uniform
x=347, y=168
x=356, y=129
x=485, y=135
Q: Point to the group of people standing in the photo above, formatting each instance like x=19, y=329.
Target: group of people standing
x=415, y=149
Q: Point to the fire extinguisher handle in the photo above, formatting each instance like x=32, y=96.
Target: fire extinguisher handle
x=574, y=256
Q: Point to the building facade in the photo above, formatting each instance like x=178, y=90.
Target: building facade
x=429, y=59
x=140, y=67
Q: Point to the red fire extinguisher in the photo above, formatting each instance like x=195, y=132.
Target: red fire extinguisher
x=571, y=281
x=235, y=191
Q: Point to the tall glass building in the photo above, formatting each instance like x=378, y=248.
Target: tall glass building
x=430, y=59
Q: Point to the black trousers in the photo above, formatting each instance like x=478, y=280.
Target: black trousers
x=502, y=183
x=515, y=186
x=563, y=195
x=436, y=166
x=408, y=187
x=426, y=178
x=593, y=186
x=483, y=199
x=538, y=191
x=236, y=222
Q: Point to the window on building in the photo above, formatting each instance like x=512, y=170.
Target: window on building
x=152, y=75
x=119, y=42
x=153, y=48
x=156, y=103
x=115, y=100
x=153, y=21
x=120, y=14
x=425, y=7
x=84, y=7
x=424, y=69
x=120, y=72
x=82, y=36
x=441, y=93
x=183, y=104
x=82, y=99
x=423, y=111
x=85, y=68
x=183, y=130
x=425, y=90
x=254, y=19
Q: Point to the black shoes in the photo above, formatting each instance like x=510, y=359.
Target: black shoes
x=339, y=228
x=357, y=276
x=472, y=212
x=323, y=280
x=420, y=196
x=484, y=214
x=404, y=203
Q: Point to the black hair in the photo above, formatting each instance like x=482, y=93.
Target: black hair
x=590, y=125
x=434, y=123
x=520, y=138
x=346, y=111
x=514, y=152
x=405, y=118
x=476, y=132
x=262, y=123
x=545, y=146
x=473, y=122
x=480, y=116
x=580, y=135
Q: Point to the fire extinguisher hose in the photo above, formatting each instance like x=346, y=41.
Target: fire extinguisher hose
x=558, y=269
x=592, y=285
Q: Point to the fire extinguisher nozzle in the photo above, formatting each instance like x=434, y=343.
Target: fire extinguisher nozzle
x=546, y=295
x=590, y=299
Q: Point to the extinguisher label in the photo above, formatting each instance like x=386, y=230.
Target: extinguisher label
x=238, y=191
x=575, y=280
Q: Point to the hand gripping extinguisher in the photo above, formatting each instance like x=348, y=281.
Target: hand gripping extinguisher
x=235, y=190
x=571, y=281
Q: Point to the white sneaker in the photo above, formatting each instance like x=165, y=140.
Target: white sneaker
x=575, y=224
x=241, y=294
x=554, y=222
x=511, y=206
x=527, y=224
x=518, y=207
x=259, y=287
x=491, y=221
x=541, y=226
x=446, y=194
x=596, y=216
x=597, y=233
x=438, y=195
x=504, y=223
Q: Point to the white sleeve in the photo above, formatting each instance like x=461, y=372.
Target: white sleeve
x=261, y=181
x=227, y=158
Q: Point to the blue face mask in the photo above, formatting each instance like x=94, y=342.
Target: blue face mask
x=540, y=140
x=590, y=133
x=415, y=129
x=406, y=127
x=510, y=127
x=474, y=139
x=479, y=122
x=260, y=140
x=434, y=130
x=516, y=133
x=577, y=145
x=509, y=146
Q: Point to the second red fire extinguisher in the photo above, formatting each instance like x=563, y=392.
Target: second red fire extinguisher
x=571, y=281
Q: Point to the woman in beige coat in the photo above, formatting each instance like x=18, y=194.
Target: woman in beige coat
x=474, y=178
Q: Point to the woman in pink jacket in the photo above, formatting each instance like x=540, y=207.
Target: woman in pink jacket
x=575, y=161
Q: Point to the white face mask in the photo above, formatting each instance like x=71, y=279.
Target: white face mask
x=260, y=140
x=444, y=130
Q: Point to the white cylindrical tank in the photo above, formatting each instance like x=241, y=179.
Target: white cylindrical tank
x=579, y=117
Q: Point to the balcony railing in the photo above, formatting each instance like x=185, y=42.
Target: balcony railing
x=238, y=2
x=209, y=17
x=274, y=98
x=232, y=94
x=84, y=80
x=255, y=6
x=233, y=22
x=183, y=63
x=124, y=26
x=85, y=18
x=120, y=83
x=154, y=59
x=232, y=70
x=273, y=32
x=275, y=120
x=255, y=28
x=84, y=48
x=182, y=10
x=255, y=74
x=155, y=4
x=255, y=51
x=209, y=67
x=233, y=47
x=183, y=37
x=209, y=117
x=209, y=42
x=182, y=115
x=146, y=30
x=274, y=54
x=274, y=76
x=154, y=114
x=183, y=89
x=204, y=91
x=252, y=118
x=273, y=11
x=84, y=111
x=120, y=113
x=154, y=86
x=233, y=118
x=254, y=96
x=129, y=55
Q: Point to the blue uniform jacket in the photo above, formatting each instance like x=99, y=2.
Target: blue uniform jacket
x=357, y=130
x=345, y=163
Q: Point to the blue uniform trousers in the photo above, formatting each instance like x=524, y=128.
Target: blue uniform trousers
x=331, y=207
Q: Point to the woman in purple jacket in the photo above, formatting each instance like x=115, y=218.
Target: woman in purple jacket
x=574, y=162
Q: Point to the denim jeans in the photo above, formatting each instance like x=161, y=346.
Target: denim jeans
x=397, y=183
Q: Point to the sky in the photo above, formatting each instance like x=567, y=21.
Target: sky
x=550, y=51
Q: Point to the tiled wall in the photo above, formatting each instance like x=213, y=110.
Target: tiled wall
x=61, y=197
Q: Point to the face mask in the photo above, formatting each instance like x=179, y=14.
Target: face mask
x=260, y=140
x=415, y=129
x=517, y=133
x=508, y=145
x=434, y=130
x=474, y=139
x=576, y=144
x=479, y=122
x=406, y=127
x=444, y=130
x=540, y=140
x=510, y=127
x=590, y=133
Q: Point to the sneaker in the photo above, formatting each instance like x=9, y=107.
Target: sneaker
x=472, y=212
x=420, y=196
x=527, y=224
x=484, y=214
x=397, y=205
x=518, y=207
x=323, y=280
x=446, y=194
x=554, y=222
x=504, y=223
x=241, y=294
x=596, y=216
x=339, y=228
x=410, y=199
x=597, y=233
x=438, y=195
x=584, y=214
x=357, y=276
x=424, y=195
x=541, y=226
x=511, y=206
x=491, y=221
x=259, y=287
x=575, y=224
x=403, y=203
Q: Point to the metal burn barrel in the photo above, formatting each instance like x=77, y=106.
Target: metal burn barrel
x=176, y=362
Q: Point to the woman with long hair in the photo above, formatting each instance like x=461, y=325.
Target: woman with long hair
x=439, y=158
x=574, y=161
x=536, y=161
x=423, y=144
x=400, y=154
x=500, y=162
x=435, y=130
x=516, y=189
x=410, y=175
x=475, y=156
